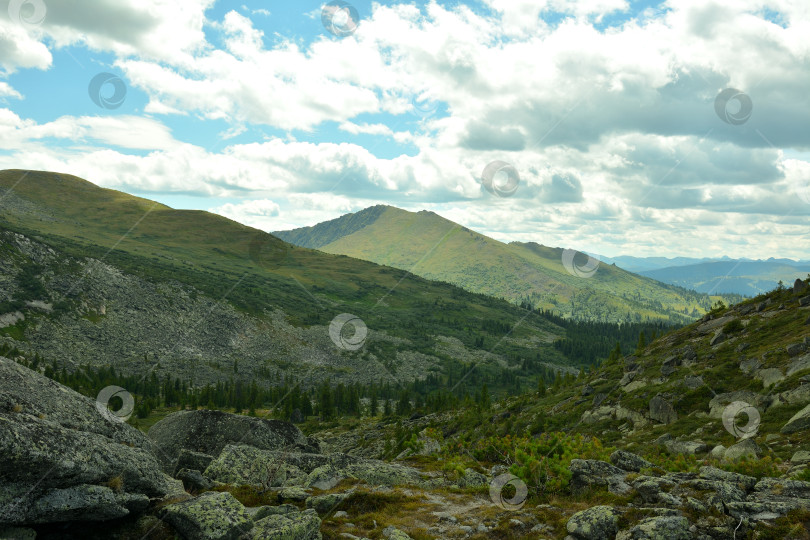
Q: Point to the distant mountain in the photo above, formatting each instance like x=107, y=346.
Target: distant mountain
x=645, y=264
x=748, y=278
x=436, y=248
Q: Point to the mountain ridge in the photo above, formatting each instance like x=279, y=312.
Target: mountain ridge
x=436, y=248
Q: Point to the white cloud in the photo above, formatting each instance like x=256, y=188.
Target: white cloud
x=614, y=132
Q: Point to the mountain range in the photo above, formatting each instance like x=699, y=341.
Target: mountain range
x=95, y=277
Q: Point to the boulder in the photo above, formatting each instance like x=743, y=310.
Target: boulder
x=748, y=365
x=804, y=301
x=713, y=324
x=685, y=447
x=194, y=480
x=84, y=503
x=240, y=464
x=471, y=478
x=281, y=509
x=795, y=349
x=745, y=448
x=392, y=533
x=211, y=516
x=799, y=422
x=659, y=528
x=693, y=381
x=380, y=473
x=796, y=489
x=718, y=403
x=718, y=475
x=301, y=526
x=193, y=460
x=688, y=353
x=795, y=396
x=719, y=337
x=57, y=445
x=799, y=286
x=587, y=473
x=324, y=504
x=662, y=410
x=801, y=457
x=595, y=523
x=293, y=493
x=798, y=364
x=770, y=376
x=208, y=432
x=628, y=461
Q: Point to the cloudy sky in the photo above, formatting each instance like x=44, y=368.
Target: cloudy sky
x=633, y=127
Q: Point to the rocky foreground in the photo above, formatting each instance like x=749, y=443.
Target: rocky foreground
x=67, y=461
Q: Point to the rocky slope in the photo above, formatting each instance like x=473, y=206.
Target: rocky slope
x=70, y=464
x=89, y=312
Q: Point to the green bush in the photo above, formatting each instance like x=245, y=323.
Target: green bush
x=541, y=462
x=734, y=325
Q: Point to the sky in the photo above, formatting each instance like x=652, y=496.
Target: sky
x=616, y=127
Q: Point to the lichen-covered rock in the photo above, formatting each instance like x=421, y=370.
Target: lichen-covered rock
x=799, y=422
x=662, y=410
x=194, y=480
x=282, y=509
x=392, y=533
x=472, y=478
x=747, y=448
x=209, y=432
x=211, y=516
x=713, y=473
x=658, y=528
x=56, y=445
x=294, y=493
x=380, y=473
x=324, y=504
x=689, y=448
x=240, y=464
x=302, y=526
x=86, y=503
x=591, y=472
x=595, y=523
x=195, y=461
x=628, y=461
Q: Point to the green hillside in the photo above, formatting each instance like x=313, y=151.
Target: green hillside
x=411, y=321
x=436, y=248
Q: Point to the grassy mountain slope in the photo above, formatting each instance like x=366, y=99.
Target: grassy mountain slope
x=741, y=277
x=436, y=248
x=412, y=322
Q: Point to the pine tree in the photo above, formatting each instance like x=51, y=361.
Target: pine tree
x=541, y=387
x=642, y=343
x=485, y=401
